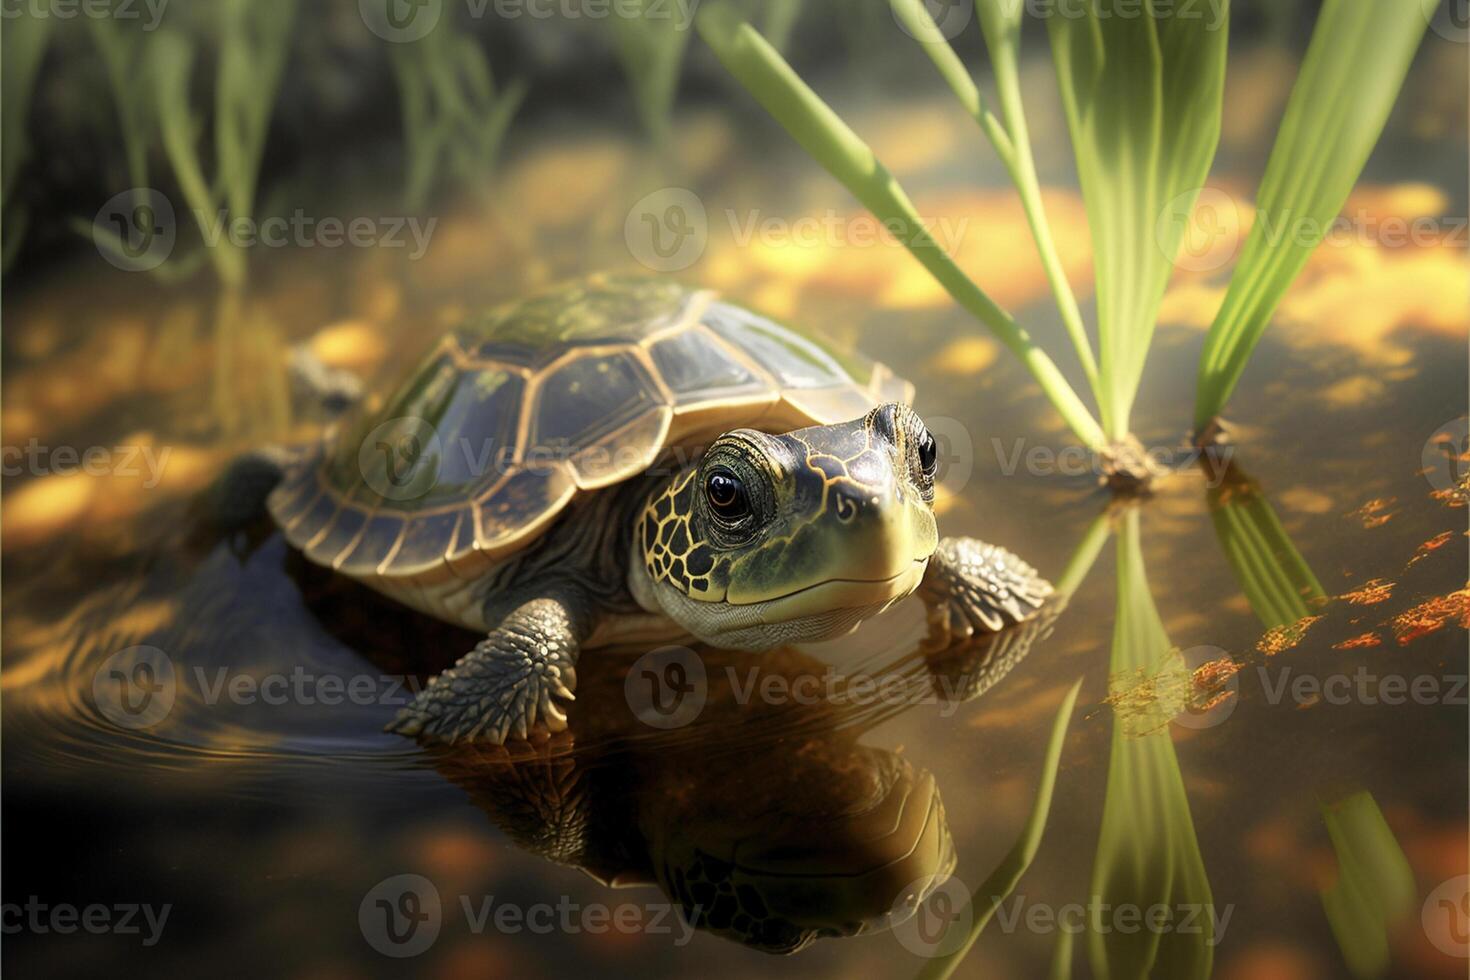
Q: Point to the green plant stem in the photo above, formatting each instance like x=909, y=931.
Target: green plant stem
x=1357, y=61
x=1147, y=850
x=1143, y=96
x=1003, y=879
x=1084, y=556
x=24, y=47
x=173, y=59
x=1001, y=24
x=1011, y=140
x=1061, y=957
x=1272, y=573
x=819, y=131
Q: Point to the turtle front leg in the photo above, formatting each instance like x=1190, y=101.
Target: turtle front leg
x=510, y=679
x=974, y=588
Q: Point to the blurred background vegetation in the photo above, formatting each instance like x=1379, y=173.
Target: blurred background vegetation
x=88, y=101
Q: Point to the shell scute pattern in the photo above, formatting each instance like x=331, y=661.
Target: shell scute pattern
x=533, y=402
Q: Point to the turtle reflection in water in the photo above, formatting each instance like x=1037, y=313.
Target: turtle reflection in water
x=763, y=820
x=620, y=460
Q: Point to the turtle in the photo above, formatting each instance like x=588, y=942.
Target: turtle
x=772, y=828
x=629, y=459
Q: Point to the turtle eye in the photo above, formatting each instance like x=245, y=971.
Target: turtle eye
x=928, y=452
x=726, y=495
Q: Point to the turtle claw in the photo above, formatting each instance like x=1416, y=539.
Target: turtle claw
x=503, y=686
x=973, y=588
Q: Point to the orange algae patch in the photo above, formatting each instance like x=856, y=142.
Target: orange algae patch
x=1279, y=639
x=1359, y=642
x=1456, y=496
x=1209, y=679
x=1376, y=512
x=1370, y=594
x=1210, y=675
x=1432, y=545
x=1432, y=616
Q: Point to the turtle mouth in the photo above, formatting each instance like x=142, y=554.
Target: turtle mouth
x=815, y=613
x=838, y=593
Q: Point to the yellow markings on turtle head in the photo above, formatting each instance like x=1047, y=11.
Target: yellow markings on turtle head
x=671, y=553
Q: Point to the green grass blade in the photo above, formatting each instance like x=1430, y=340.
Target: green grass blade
x=1085, y=554
x=1061, y=957
x=1374, y=887
x=650, y=47
x=1011, y=139
x=916, y=20
x=1142, y=90
x=455, y=118
x=1002, y=881
x=1000, y=21
x=1147, y=850
x=124, y=56
x=1350, y=78
x=779, y=20
x=829, y=141
x=24, y=45
x=172, y=57
x=1276, y=580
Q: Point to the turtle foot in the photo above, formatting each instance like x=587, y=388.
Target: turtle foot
x=973, y=588
x=237, y=498
x=513, y=679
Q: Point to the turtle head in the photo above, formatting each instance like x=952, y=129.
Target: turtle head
x=791, y=538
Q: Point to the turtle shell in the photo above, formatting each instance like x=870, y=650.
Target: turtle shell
x=514, y=413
